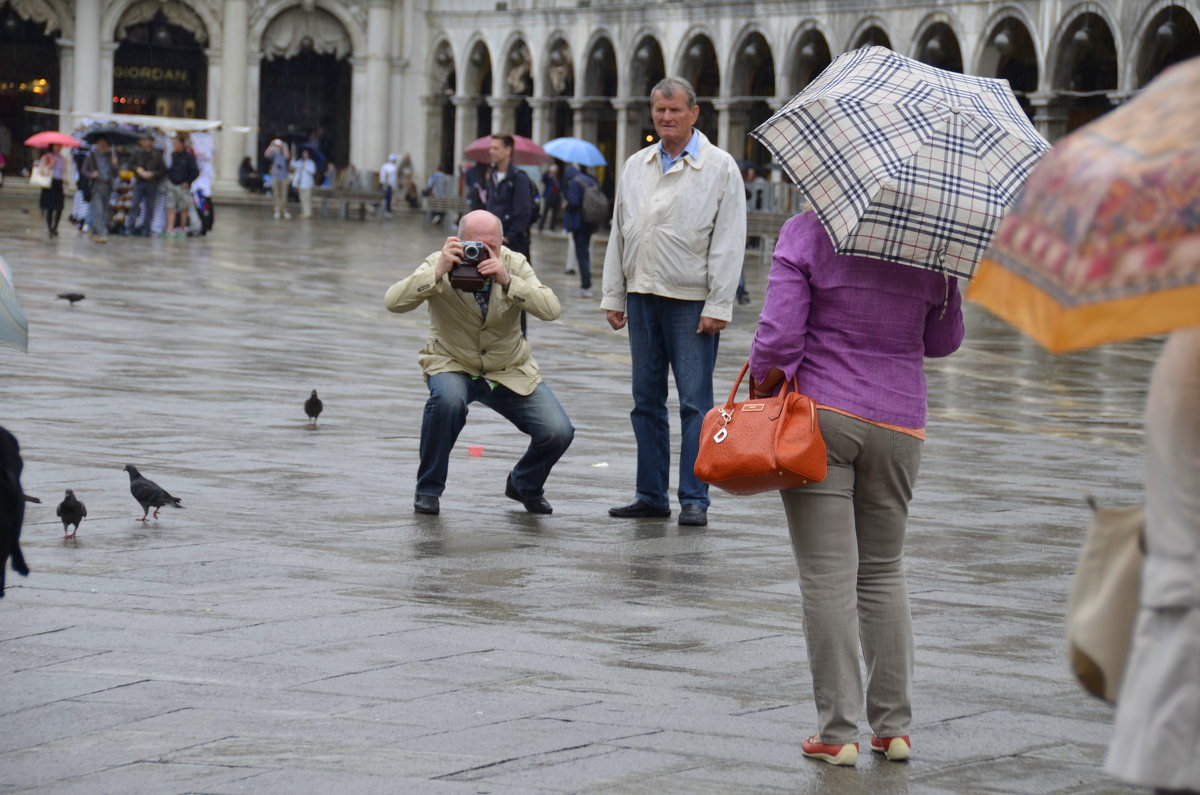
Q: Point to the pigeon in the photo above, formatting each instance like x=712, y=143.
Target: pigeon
x=12, y=506
x=71, y=511
x=148, y=493
x=313, y=407
x=72, y=297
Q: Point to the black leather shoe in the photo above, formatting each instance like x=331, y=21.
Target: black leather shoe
x=693, y=515
x=534, y=505
x=639, y=510
x=426, y=503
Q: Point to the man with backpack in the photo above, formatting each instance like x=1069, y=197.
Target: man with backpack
x=510, y=197
x=582, y=214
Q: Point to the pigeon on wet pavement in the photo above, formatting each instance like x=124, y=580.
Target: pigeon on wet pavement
x=148, y=493
x=72, y=297
x=71, y=511
x=312, y=408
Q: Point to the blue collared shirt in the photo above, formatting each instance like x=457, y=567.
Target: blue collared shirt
x=692, y=149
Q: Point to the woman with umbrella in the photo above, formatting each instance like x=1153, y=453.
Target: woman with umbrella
x=50, y=202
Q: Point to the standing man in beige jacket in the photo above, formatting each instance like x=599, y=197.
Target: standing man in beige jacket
x=475, y=352
x=670, y=274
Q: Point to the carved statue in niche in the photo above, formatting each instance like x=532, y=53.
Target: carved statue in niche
x=175, y=12
x=36, y=11
x=519, y=63
x=296, y=29
x=443, y=69
x=560, y=69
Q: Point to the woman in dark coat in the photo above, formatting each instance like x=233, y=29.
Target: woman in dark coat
x=51, y=200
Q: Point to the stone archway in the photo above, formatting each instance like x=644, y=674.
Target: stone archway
x=160, y=67
x=1085, y=71
x=1010, y=55
x=440, y=110
x=518, y=88
x=477, y=87
x=305, y=81
x=559, y=82
x=873, y=36
x=753, y=75
x=699, y=66
x=595, y=116
x=1171, y=36
x=29, y=77
x=938, y=46
x=646, y=68
x=809, y=58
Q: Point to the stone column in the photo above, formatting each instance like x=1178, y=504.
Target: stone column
x=579, y=111
x=377, y=112
x=465, y=119
x=724, y=108
x=358, y=125
x=625, y=134
x=86, y=74
x=231, y=103
x=433, y=135
x=503, y=113
x=253, y=102
x=212, y=93
x=541, y=118
x=1048, y=116
x=108, y=53
x=66, y=86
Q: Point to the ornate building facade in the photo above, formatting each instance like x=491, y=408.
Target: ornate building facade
x=429, y=76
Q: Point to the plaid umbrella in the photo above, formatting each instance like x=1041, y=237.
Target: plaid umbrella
x=1104, y=242
x=903, y=161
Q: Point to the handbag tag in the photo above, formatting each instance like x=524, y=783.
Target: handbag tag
x=720, y=435
x=753, y=406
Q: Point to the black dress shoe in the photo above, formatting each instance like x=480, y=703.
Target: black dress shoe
x=533, y=505
x=693, y=515
x=426, y=503
x=639, y=510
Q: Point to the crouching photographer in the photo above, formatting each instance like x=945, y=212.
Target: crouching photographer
x=476, y=290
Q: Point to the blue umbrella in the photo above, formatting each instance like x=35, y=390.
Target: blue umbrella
x=14, y=328
x=575, y=150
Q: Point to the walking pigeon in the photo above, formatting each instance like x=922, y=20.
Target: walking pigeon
x=72, y=297
x=148, y=493
x=313, y=407
x=71, y=511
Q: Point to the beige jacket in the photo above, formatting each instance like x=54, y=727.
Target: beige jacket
x=461, y=340
x=681, y=234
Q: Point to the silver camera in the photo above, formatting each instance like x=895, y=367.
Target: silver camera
x=465, y=276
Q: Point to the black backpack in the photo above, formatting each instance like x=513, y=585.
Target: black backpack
x=594, y=205
x=533, y=200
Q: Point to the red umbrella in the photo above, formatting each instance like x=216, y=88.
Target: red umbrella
x=525, y=151
x=43, y=139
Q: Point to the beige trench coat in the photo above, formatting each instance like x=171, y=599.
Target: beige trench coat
x=461, y=340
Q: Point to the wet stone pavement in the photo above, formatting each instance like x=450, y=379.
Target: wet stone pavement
x=297, y=628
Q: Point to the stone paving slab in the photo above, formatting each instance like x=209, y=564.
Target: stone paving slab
x=297, y=628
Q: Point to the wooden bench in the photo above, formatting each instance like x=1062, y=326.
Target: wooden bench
x=448, y=207
x=364, y=199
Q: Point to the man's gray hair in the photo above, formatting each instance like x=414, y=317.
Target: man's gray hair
x=669, y=85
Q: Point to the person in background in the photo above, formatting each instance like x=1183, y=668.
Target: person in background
x=854, y=333
x=1156, y=731
x=101, y=168
x=248, y=177
x=148, y=168
x=304, y=179
x=576, y=180
x=551, y=199
x=181, y=172
x=755, y=187
x=50, y=200
x=277, y=169
x=676, y=246
x=389, y=172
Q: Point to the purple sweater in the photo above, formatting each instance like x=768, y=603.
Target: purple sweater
x=854, y=330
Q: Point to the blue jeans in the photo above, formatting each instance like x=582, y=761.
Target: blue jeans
x=583, y=255
x=144, y=195
x=662, y=334
x=538, y=415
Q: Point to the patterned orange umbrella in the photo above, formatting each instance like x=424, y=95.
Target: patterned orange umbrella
x=1103, y=244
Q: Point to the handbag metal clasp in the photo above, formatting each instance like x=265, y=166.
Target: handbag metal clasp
x=726, y=414
x=720, y=435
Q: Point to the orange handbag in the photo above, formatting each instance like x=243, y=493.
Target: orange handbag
x=761, y=444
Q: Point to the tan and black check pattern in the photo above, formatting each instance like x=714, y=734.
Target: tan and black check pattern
x=904, y=161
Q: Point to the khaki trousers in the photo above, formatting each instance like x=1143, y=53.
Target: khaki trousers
x=848, y=537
